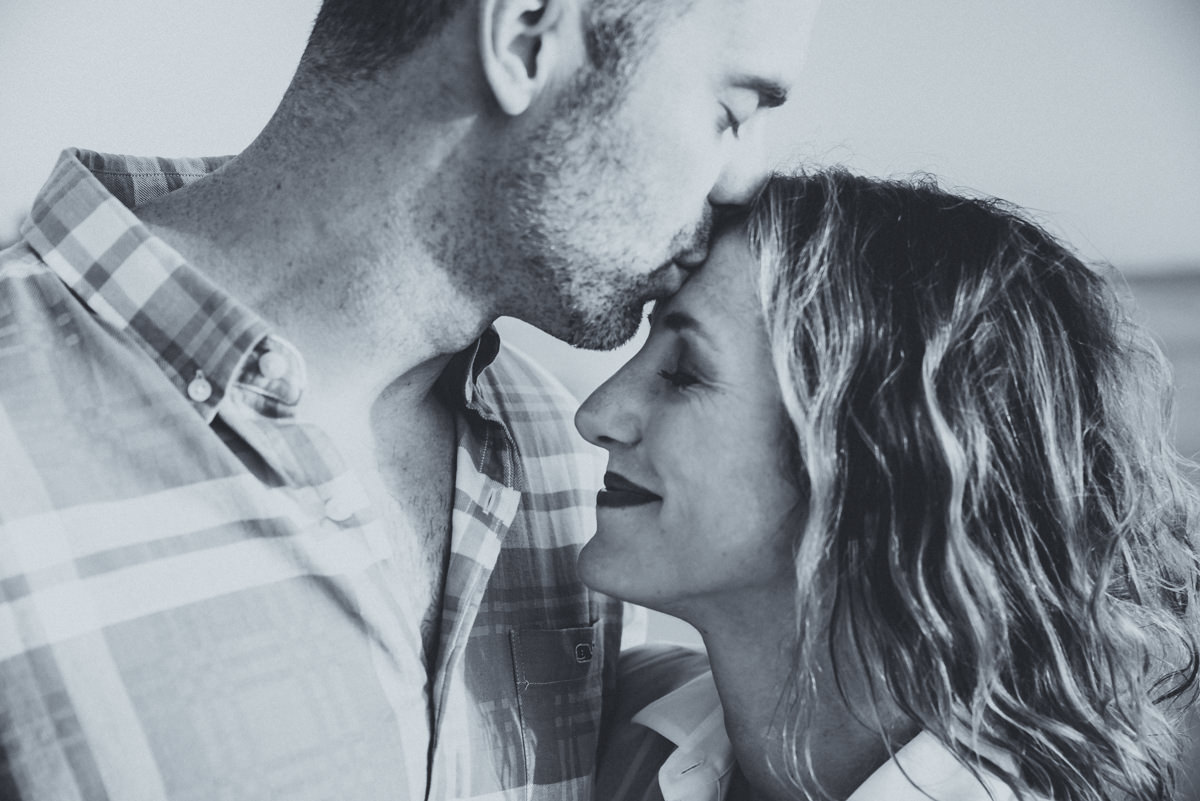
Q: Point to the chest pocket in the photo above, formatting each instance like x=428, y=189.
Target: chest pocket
x=559, y=674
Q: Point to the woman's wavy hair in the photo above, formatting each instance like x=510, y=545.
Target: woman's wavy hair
x=997, y=524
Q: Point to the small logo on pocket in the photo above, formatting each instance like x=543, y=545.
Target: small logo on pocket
x=583, y=652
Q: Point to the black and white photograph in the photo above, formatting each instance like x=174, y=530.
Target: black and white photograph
x=600, y=400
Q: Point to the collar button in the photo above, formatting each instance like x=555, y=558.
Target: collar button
x=199, y=390
x=272, y=365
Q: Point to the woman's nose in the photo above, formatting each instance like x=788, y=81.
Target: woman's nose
x=608, y=417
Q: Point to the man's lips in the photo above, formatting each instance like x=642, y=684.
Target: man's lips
x=691, y=261
x=672, y=276
x=619, y=492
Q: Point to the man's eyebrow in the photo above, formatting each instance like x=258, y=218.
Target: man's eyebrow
x=771, y=93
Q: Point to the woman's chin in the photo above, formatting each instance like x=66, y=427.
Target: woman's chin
x=611, y=570
x=595, y=569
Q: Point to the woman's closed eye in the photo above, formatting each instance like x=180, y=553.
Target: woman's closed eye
x=679, y=378
x=682, y=369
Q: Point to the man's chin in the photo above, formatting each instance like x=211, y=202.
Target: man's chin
x=617, y=324
x=605, y=332
x=601, y=340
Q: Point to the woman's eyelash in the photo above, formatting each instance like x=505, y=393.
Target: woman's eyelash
x=678, y=378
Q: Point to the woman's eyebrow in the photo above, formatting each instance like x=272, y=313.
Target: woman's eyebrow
x=680, y=322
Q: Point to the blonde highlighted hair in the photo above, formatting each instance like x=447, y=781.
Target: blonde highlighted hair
x=997, y=524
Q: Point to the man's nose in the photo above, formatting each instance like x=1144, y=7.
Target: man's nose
x=742, y=176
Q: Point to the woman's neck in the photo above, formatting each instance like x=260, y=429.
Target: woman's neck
x=752, y=667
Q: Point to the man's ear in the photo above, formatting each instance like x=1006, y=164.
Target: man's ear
x=522, y=42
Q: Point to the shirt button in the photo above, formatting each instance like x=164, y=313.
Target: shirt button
x=338, y=508
x=272, y=365
x=199, y=389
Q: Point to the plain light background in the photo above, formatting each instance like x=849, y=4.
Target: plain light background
x=1086, y=111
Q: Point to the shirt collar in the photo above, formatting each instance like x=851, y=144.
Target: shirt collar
x=701, y=766
x=925, y=769
x=82, y=227
x=460, y=379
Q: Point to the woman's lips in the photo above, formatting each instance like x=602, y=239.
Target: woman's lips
x=619, y=491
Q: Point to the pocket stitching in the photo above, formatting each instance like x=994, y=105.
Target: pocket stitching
x=522, y=679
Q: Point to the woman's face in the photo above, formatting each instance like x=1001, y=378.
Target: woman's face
x=697, y=508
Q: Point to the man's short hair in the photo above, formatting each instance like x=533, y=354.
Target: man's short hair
x=354, y=39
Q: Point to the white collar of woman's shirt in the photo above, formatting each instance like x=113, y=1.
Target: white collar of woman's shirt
x=701, y=767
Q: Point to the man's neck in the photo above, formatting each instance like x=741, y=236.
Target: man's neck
x=329, y=231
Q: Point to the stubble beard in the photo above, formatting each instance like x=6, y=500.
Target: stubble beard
x=589, y=306
x=577, y=286
x=606, y=328
x=580, y=288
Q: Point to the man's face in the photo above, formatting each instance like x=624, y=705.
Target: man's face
x=610, y=195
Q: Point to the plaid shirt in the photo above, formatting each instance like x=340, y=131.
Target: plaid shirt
x=196, y=598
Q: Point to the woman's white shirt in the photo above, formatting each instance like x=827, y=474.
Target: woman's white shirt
x=701, y=766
